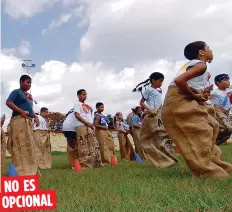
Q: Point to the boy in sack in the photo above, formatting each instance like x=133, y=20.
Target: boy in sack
x=221, y=98
x=21, y=128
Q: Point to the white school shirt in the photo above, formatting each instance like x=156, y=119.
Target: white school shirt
x=70, y=123
x=219, y=97
x=153, y=98
x=84, y=113
x=43, y=125
x=199, y=83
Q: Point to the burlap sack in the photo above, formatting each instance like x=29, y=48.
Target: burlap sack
x=193, y=128
x=3, y=152
x=156, y=144
x=126, y=146
x=225, y=125
x=43, y=148
x=135, y=131
x=106, y=144
x=88, y=148
x=9, y=144
x=23, y=147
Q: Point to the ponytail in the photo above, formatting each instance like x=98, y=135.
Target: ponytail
x=140, y=88
x=153, y=76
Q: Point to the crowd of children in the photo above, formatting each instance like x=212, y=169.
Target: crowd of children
x=194, y=116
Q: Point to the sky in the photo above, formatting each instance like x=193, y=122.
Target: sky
x=105, y=46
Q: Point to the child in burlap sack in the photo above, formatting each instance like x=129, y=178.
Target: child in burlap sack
x=42, y=140
x=221, y=99
x=87, y=145
x=126, y=142
x=155, y=142
x=135, y=131
x=104, y=137
x=21, y=129
x=189, y=121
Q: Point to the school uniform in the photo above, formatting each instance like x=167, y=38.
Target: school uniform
x=193, y=127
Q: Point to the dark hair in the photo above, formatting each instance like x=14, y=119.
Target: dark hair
x=221, y=77
x=43, y=109
x=153, y=76
x=79, y=92
x=24, y=77
x=136, y=109
x=99, y=104
x=191, y=51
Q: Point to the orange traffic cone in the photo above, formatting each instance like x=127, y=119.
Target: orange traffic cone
x=77, y=166
x=113, y=160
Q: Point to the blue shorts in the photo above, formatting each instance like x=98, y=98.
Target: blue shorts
x=70, y=134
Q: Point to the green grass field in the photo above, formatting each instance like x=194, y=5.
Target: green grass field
x=131, y=186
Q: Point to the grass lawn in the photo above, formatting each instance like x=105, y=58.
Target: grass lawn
x=131, y=186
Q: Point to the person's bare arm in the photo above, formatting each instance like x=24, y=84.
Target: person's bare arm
x=13, y=107
x=142, y=103
x=96, y=124
x=78, y=117
x=181, y=81
x=118, y=128
x=36, y=120
x=230, y=96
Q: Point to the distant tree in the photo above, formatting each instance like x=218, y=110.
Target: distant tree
x=57, y=120
x=111, y=123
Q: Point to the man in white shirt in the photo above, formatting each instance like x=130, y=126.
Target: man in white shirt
x=221, y=99
x=43, y=144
